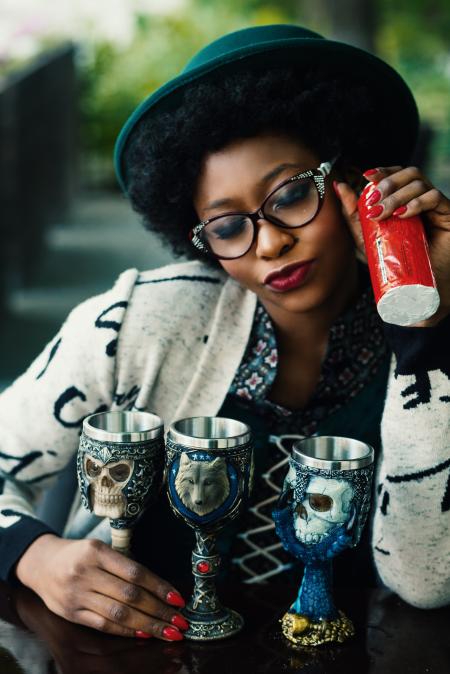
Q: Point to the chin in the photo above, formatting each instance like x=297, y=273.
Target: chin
x=298, y=302
x=318, y=291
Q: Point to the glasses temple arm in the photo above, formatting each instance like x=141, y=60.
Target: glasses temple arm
x=326, y=166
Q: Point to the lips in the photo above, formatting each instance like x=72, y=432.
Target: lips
x=288, y=277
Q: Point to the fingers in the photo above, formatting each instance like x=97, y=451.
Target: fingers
x=127, y=620
x=98, y=622
x=377, y=174
x=402, y=192
x=137, y=597
x=135, y=574
x=349, y=202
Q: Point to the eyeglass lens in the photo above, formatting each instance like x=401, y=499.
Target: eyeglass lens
x=292, y=205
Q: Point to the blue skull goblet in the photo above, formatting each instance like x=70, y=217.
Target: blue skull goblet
x=321, y=512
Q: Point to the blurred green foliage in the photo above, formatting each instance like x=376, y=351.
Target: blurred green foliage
x=113, y=82
x=412, y=35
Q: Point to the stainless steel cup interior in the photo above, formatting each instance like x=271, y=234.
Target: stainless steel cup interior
x=123, y=426
x=332, y=453
x=209, y=432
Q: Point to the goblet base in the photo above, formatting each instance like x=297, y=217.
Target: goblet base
x=304, y=632
x=219, y=625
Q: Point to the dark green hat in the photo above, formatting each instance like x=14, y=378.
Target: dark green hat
x=394, y=134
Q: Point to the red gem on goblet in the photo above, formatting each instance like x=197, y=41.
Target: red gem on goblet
x=203, y=567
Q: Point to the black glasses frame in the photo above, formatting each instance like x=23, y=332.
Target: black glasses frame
x=317, y=175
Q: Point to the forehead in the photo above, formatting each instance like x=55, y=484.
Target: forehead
x=239, y=166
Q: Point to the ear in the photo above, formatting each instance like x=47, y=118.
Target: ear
x=219, y=463
x=185, y=460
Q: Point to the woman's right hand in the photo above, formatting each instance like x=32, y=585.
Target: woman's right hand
x=87, y=582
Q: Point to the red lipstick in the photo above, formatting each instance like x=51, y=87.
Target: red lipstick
x=288, y=277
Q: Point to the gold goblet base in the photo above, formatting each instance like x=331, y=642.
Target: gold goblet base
x=303, y=632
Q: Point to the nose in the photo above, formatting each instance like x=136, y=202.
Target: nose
x=106, y=482
x=302, y=512
x=273, y=241
x=197, y=495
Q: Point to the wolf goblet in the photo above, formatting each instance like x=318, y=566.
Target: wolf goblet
x=120, y=466
x=208, y=471
x=321, y=512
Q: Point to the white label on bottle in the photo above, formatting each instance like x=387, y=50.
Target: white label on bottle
x=381, y=260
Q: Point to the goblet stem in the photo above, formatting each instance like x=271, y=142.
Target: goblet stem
x=315, y=598
x=208, y=618
x=121, y=540
x=205, y=565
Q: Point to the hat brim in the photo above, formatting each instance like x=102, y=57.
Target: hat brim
x=393, y=138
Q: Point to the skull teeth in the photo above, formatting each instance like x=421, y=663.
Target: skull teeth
x=311, y=538
x=108, y=498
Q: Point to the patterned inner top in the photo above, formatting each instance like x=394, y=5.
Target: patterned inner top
x=356, y=348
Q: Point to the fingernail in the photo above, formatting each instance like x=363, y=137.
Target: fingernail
x=142, y=635
x=400, y=210
x=335, y=187
x=175, y=599
x=172, y=633
x=374, y=197
x=375, y=211
x=370, y=172
x=180, y=622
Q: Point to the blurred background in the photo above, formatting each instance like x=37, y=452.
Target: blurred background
x=72, y=71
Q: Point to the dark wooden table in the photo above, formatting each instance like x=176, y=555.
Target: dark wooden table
x=392, y=637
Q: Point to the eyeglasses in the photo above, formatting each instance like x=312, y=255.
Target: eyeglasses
x=293, y=203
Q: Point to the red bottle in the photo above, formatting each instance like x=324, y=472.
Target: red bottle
x=400, y=270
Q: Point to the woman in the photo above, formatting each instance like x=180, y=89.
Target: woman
x=234, y=162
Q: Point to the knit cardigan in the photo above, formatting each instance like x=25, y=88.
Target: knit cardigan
x=169, y=341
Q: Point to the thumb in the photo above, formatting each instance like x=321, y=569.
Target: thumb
x=349, y=202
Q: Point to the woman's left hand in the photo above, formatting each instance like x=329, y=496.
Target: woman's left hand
x=405, y=192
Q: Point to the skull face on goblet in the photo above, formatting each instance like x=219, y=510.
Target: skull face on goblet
x=321, y=512
x=208, y=468
x=120, y=466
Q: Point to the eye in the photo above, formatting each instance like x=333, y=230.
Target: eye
x=291, y=194
x=227, y=228
x=191, y=481
x=121, y=472
x=207, y=483
x=93, y=469
x=320, y=502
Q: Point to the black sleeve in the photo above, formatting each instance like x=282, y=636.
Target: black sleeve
x=420, y=349
x=15, y=539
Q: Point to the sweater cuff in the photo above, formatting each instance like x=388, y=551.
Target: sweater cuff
x=419, y=349
x=15, y=539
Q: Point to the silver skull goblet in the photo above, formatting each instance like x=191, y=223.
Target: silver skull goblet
x=321, y=512
x=208, y=472
x=120, y=467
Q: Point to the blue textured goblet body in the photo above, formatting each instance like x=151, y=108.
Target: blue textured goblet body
x=320, y=513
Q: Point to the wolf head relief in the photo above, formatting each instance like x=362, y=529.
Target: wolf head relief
x=202, y=485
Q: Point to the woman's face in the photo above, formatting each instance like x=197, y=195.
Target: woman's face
x=325, y=245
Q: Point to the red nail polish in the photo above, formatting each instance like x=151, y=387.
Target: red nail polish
x=335, y=187
x=175, y=599
x=374, y=197
x=375, y=211
x=370, y=172
x=180, y=622
x=400, y=210
x=172, y=633
x=142, y=635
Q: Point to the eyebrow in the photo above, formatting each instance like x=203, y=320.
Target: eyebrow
x=265, y=179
